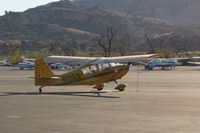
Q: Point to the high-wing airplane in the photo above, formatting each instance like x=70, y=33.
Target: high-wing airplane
x=194, y=63
x=161, y=62
x=61, y=66
x=4, y=62
x=93, y=71
x=26, y=63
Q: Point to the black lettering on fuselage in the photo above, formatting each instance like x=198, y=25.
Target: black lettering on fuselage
x=72, y=77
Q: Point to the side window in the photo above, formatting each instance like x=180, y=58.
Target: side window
x=113, y=64
x=86, y=71
x=100, y=67
x=93, y=68
x=105, y=66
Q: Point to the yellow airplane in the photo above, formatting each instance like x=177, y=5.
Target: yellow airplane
x=95, y=72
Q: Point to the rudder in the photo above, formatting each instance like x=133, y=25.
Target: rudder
x=42, y=71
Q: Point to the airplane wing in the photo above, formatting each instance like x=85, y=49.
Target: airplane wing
x=123, y=59
x=71, y=60
x=194, y=63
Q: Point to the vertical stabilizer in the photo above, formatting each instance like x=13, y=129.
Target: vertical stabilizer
x=174, y=60
x=42, y=73
x=5, y=59
x=42, y=69
x=22, y=58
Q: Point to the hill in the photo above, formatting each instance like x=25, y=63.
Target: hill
x=178, y=11
x=55, y=19
x=63, y=21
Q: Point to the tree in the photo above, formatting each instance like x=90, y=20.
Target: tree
x=13, y=47
x=14, y=51
x=54, y=46
x=124, y=42
x=105, y=42
x=69, y=47
x=6, y=12
x=150, y=44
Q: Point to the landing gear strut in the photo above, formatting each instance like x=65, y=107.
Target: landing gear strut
x=116, y=82
x=40, y=89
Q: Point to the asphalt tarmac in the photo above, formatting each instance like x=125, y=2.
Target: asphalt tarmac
x=154, y=102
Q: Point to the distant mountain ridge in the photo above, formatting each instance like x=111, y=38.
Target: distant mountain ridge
x=54, y=19
x=68, y=20
x=178, y=11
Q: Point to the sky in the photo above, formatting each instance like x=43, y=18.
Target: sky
x=20, y=5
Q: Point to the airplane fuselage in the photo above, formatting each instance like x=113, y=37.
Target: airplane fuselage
x=88, y=75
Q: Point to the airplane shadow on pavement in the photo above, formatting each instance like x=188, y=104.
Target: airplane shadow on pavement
x=82, y=94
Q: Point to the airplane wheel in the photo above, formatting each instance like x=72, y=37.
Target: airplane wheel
x=120, y=87
x=150, y=68
x=40, y=89
x=99, y=89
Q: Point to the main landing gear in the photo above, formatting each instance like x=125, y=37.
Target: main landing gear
x=99, y=87
x=120, y=87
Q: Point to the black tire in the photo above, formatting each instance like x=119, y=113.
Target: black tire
x=150, y=68
x=99, y=89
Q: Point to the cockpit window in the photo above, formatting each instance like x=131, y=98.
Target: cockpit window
x=105, y=66
x=93, y=68
x=113, y=64
x=89, y=70
x=86, y=71
x=100, y=67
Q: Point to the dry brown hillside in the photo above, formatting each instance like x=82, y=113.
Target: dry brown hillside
x=179, y=11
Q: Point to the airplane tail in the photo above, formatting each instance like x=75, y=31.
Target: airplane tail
x=22, y=58
x=5, y=59
x=42, y=72
x=174, y=59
